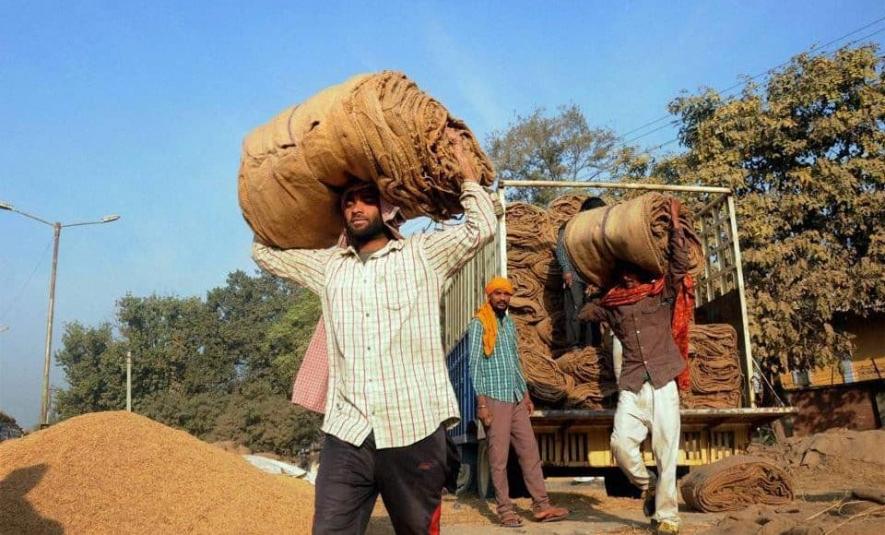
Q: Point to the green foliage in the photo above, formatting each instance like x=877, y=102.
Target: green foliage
x=561, y=147
x=219, y=368
x=7, y=419
x=265, y=421
x=805, y=155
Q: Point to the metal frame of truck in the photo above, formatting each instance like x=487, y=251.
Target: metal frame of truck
x=576, y=442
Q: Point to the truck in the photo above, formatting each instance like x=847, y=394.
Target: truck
x=575, y=442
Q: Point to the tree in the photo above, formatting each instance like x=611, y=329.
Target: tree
x=561, y=147
x=805, y=156
x=219, y=368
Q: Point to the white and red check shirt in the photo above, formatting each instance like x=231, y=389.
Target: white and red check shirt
x=387, y=370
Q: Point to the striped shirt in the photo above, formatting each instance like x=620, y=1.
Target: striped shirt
x=387, y=370
x=500, y=375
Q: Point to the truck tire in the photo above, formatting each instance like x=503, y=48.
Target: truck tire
x=617, y=485
x=466, y=482
x=484, y=488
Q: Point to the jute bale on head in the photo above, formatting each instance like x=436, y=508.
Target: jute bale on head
x=634, y=231
x=374, y=127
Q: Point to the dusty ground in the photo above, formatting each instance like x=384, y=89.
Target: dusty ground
x=594, y=512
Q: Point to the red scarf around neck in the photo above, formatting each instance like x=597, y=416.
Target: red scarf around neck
x=683, y=313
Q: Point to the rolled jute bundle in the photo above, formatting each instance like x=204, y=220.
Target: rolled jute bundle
x=525, y=284
x=373, y=127
x=545, y=380
x=589, y=396
x=718, y=400
x=562, y=208
x=528, y=228
x=715, y=368
x=588, y=364
x=635, y=231
x=735, y=483
x=541, y=262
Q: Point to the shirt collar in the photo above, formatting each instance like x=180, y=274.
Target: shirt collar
x=392, y=245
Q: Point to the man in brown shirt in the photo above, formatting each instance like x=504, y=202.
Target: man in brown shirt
x=640, y=310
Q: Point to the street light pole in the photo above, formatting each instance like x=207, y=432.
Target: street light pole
x=129, y=381
x=50, y=315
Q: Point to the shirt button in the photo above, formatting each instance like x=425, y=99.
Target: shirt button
x=637, y=332
x=367, y=314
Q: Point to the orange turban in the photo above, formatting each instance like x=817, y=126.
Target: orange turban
x=487, y=317
x=499, y=283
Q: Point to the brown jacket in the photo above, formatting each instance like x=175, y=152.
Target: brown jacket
x=644, y=328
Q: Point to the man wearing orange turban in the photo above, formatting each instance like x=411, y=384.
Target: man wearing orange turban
x=503, y=405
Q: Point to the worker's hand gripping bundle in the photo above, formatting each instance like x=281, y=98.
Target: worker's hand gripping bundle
x=635, y=231
x=374, y=127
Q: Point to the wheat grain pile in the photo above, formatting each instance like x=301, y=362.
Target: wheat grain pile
x=120, y=473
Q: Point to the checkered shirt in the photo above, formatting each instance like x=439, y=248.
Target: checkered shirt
x=387, y=370
x=498, y=376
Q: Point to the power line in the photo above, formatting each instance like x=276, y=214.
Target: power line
x=730, y=88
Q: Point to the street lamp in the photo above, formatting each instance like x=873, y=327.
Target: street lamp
x=56, y=234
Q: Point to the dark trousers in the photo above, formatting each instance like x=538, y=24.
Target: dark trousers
x=578, y=333
x=410, y=480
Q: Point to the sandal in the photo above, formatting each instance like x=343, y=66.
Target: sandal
x=510, y=520
x=551, y=514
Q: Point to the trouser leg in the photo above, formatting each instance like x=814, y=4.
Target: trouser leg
x=498, y=437
x=572, y=324
x=665, y=435
x=345, y=488
x=630, y=429
x=411, y=480
x=526, y=447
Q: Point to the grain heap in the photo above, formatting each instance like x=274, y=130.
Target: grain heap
x=117, y=472
x=715, y=368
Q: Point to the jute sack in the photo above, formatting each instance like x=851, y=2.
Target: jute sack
x=373, y=127
x=635, y=231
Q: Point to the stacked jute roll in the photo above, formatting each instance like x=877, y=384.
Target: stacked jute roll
x=581, y=378
x=715, y=368
x=373, y=127
x=735, y=483
x=634, y=231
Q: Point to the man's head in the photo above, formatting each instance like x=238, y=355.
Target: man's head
x=499, y=291
x=630, y=275
x=591, y=203
x=362, y=212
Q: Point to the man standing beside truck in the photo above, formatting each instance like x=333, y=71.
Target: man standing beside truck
x=650, y=316
x=577, y=333
x=389, y=398
x=503, y=405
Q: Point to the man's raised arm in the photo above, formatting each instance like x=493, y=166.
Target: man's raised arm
x=305, y=267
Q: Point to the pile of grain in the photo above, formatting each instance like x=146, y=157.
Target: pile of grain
x=117, y=472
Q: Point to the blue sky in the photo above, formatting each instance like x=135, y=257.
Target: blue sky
x=139, y=108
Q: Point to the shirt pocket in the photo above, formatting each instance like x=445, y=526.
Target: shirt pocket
x=653, y=306
x=397, y=290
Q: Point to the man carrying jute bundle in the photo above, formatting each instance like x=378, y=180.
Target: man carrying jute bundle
x=389, y=397
x=503, y=405
x=651, y=316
